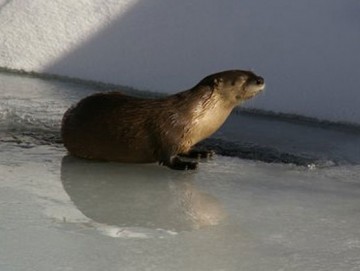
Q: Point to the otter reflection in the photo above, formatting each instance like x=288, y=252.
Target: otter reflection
x=138, y=195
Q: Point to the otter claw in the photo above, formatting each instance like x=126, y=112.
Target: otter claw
x=191, y=165
x=199, y=154
x=181, y=165
x=178, y=164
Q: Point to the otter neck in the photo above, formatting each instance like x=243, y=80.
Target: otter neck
x=209, y=112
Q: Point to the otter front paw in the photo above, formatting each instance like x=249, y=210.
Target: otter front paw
x=177, y=164
x=199, y=154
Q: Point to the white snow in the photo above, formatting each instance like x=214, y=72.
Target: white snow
x=308, y=51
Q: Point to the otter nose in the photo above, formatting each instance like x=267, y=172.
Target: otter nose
x=259, y=80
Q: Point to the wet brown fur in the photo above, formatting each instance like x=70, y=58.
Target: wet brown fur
x=116, y=127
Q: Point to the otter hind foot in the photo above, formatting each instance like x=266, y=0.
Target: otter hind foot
x=177, y=164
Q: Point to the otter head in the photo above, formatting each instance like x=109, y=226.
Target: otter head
x=235, y=86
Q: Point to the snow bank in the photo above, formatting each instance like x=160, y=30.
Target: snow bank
x=307, y=51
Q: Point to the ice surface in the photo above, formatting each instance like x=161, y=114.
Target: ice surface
x=68, y=214
x=62, y=213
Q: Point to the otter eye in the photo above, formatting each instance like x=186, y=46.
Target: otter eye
x=259, y=80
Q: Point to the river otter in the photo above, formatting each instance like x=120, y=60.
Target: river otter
x=117, y=127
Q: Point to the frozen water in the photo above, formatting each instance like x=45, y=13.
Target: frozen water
x=67, y=214
x=62, y=213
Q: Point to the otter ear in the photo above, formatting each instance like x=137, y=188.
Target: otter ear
x=218, y=82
